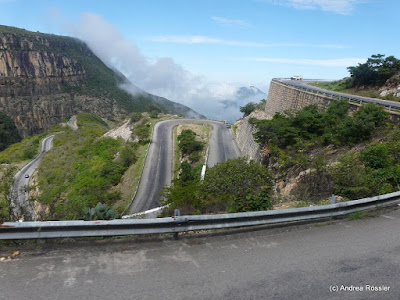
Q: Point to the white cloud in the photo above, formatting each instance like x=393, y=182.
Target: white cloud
x=162, y=76
x=344, y=7
x=230, y=22
x=200, y=39
x=339, y=62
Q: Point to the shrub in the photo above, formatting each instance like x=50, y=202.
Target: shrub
x=136, y=117
x=100, y=212
x=350, y=178
x=248, y=108
x=188, y=143
x=142, y=132
x=235, y=185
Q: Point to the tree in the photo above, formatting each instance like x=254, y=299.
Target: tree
x=248, y=108
x=142, y=132
x=375, y=71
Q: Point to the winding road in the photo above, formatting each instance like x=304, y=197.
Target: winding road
x=158, y=167
x=19, y=194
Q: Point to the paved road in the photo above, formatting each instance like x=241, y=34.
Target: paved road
x=158, y=167
x=299, y=262
x=19, y=194
x=304, y=84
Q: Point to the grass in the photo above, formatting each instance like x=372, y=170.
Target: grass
x=177, y=152
x=357, y=215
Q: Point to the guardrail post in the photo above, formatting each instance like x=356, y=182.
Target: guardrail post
x=333, y=199
x=177, y=213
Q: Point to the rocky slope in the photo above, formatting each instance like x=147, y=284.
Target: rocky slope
x=391, y=87
x=45, y=78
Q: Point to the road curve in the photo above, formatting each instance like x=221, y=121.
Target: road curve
x=158, y=167
x=19, y=195
x=305, y=84
x=296, y=262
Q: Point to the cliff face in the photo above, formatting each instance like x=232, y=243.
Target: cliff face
x=45, y=78
x=35, y=75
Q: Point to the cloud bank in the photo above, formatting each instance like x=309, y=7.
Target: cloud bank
x=162, y=77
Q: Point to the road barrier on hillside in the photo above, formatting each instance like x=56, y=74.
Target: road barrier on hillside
x=64, y=229
x=389, y=105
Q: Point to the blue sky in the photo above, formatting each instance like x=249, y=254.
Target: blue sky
x=212, y=46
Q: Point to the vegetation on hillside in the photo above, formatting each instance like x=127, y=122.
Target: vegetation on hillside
x=232, y=186
x=367, y=78
x=296, y=143
x=8, y=132
x=83, y=169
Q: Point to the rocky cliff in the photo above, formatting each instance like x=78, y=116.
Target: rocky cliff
x=46, y=78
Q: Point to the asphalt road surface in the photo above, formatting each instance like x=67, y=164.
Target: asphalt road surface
x=158, y=168
x=19, y=194
x=296, y=262
x=305, y=84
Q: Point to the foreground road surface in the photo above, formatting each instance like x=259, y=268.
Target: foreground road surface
x=158, y=166
x=298, y=262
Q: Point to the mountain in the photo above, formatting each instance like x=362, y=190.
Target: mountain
x=45, y=78
x=230, y=109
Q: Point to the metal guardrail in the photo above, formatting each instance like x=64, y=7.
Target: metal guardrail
x=390, y=105
x=64, y=229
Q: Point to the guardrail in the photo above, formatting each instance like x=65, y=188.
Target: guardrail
x=390, y=105
x=64, y=229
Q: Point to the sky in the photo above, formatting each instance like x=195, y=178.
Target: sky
x=196, y=52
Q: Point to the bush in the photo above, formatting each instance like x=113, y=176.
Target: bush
x=235, y=185
x=248, y=108
x=350, y=178
x=142, y=132
x=136, y=117
x=187, y=142
x=99, y=212
x=312, y=126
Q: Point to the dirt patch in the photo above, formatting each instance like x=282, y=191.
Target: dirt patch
x=124, y=131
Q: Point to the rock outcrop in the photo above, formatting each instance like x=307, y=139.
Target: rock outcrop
x=45, y=78
x=391, y=87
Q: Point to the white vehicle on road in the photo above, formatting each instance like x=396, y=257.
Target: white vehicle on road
x=296, y=77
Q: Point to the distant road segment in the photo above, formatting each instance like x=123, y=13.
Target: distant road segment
x=158, y=168
x=19, y=194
